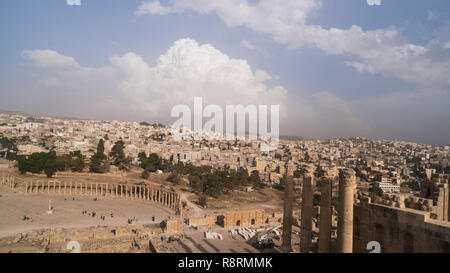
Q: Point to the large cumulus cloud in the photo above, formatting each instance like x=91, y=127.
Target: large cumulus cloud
x=186, y=70
x=382, y=51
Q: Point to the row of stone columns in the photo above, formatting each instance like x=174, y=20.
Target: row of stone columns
x=135, y=192
x=8, y=181
x=347, y=186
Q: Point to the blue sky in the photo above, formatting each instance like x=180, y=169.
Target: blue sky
x=385, y=77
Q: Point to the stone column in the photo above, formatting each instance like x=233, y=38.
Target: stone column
x=48, y=187
x=180, y=205
x=442, y=204
x=347, y=184
x=287, y=215
x=307, y=209
x=325, y=211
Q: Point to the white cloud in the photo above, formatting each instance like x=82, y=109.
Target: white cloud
x=50, y=59
x=186, y=70
x=382, y=51
x=129, y=88
x=74, y=2
x=249, y=45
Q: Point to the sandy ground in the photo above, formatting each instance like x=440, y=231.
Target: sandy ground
x=67, y=213
x=195, y=242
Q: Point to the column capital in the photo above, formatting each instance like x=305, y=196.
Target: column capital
x=347, y=177
x=308, y=170
x=327, y=173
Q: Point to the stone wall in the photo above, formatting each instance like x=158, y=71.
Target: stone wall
x=202, y=221
x=398, y=230
x=173, y=226
x=242, y=218
x=91, y=239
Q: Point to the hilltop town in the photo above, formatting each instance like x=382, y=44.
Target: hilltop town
x=201, y=179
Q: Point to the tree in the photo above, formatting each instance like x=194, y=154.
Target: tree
x=255, y=180
x=145, y=174
x=174, y=178
x=142, y=156
x=202, y=201
x=118, y=155
x=307, y=157
x=101, y=149
x=376, y=191
x=98, y=160
x=280, y=186
x=48, y=163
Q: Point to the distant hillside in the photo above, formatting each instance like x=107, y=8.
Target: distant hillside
x=291, y=138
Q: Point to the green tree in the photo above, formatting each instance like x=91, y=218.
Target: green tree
x=255, y=180
x=376, y=191
x=174, y=178
x=203, y=201
x=145, y=174
x=101, y=149
x=118, y=156
x=98, y=162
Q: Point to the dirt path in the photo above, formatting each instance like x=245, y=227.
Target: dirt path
x=195, y=211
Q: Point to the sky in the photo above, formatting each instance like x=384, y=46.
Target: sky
x=336, y=68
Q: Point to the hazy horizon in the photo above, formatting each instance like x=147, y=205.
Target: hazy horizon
x=337, y=69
